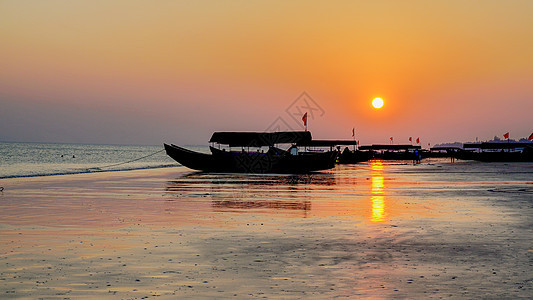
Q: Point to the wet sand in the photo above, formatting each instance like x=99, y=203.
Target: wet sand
x=373, y=230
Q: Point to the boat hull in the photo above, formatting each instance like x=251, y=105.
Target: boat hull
x=191, y=159
x=353, y=157
x=503, y=156
x=498, y=152
x=274, y=161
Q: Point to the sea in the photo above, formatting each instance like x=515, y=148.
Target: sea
x=47, y=159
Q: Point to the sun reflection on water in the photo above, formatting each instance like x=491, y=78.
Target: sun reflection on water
x=378, y=186
x=376, y=165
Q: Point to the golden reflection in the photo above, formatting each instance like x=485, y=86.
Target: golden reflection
x=378, y=208
x=378, y=186
x=376, y=165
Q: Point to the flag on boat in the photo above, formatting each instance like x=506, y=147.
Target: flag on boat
x=506, y=135
x=304, y=118
x=530, y=137
x=410, y=139
x=353, y=131
x=418, y=140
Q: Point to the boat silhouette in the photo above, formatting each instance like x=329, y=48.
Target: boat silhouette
x=274, y=160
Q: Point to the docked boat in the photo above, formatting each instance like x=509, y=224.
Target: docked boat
x=345, y=156
x=498, y=152
x=394, y=152
x=354, y=156
x=274, y=160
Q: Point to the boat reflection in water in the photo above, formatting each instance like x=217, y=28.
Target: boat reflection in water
x=269, y=204
x=377, y=192
x=246, y=192
x=347, y=192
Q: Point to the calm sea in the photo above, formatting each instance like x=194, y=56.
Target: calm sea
x=43, y=159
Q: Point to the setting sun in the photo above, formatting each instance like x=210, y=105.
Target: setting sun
x=377, y=102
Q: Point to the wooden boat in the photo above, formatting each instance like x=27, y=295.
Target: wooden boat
x=394, y=152
x=354, y=156
x=443, y=151
x=499, y=152
x=275, y=160
x=347, y=156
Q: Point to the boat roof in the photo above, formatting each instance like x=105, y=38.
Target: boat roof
x=259, y=139
x=492, y=145
x=327, y=143
x=390, y=147
x=443, y=148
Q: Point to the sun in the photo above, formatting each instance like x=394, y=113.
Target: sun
x=377, y=103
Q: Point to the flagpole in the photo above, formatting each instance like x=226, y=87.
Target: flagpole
x=353, y=135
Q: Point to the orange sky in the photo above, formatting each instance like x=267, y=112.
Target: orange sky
x=148, y=72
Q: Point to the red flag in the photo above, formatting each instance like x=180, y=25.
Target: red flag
x=410, y=139
x=391, y=138
x=304, y=118
x=353, y=131
x=418, y=140
x=530, y=137
x=506, y=135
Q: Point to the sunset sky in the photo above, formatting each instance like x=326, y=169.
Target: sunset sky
x=148, y=72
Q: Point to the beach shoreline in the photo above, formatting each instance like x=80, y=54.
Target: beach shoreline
x=357, y=231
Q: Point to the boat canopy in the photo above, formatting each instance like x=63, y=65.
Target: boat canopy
x=492, y=145
x=439, y=148
x=390, y=147
x=259, y=139
x=327, y=143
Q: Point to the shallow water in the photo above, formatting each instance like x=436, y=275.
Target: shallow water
x=372, y=230
x=46, y=159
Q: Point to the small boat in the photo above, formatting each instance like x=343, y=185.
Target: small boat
x=394, y=152
x=274, y=160
x=354, y=156
x=499, y=152
x=347, y=156
x=442, y=151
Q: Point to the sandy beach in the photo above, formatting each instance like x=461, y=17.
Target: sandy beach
x=372, y=230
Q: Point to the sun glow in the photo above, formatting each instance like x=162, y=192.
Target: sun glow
x=377, y=103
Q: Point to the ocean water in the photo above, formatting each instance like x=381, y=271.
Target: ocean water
x=374, y=230
x=45, y=159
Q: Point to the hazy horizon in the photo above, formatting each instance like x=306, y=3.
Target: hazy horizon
x=145, y=73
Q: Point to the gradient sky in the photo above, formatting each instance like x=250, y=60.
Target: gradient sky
x=148, y=72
